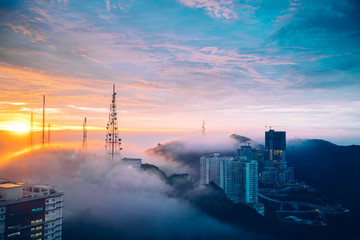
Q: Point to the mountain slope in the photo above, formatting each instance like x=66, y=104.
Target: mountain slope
x=333, y=169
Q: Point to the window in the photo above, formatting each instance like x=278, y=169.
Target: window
x=37, y=209
x=36, y=221
x=36, y=234
x=13, y=227
x=36, y=228
x=14, y=234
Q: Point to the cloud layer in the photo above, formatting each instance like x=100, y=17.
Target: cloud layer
x=103, y=199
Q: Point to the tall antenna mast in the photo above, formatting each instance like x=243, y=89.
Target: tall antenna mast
x=48, y=139
x=43, y=123
x=84, y=144
x=31, y=130
x=203, y=129
x=112, y=140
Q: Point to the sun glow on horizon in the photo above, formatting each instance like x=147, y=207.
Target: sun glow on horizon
x=18, y=127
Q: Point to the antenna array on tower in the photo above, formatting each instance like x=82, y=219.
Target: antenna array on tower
x=112, y=140
x=203, y=129
x=84, y=144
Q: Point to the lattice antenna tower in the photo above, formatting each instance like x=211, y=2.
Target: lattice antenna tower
x=84, y=144
x=43, y=137
x=112, y=140
x=203, y=129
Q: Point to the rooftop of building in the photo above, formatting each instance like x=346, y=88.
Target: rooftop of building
x=10, y=185
x=131, y=159
x=11, y=191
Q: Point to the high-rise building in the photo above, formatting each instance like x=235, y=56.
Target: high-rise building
x=30, y=211
x=238, y=177
x=276, y=170
x=210, y=167
x=249, y=181
x=275, y=149
x=204, y=170
x=245, y=153
x=230, y=178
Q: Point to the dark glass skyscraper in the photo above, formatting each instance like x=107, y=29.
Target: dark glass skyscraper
x=275, y=149
x=276, y=170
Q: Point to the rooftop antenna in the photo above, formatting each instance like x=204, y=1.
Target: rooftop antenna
x=48, y=138
x=31, y=130
x=43, y=123
x=271, y=127
x=84, y=144
x=112, y=140
x=203, y=129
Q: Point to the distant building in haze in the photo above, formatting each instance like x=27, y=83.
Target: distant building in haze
x=245, y=153
x=275, y=169
x=30, y=211
x=237, y=176
x=210, y=168
x=134, y=163
x=249, y=181
x=230, y=178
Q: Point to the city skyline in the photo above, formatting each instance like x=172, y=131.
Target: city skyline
x=237, y=65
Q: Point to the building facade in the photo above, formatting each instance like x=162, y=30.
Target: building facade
x=238, y=177
x=276, y=171
x=230, y=178
x=30, y=211
x=245, y=153
x=210, y=168
x=249, y=181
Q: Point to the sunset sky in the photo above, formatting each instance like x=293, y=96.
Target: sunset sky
x=238, y=65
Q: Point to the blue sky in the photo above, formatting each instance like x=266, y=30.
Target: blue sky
x=238, y=65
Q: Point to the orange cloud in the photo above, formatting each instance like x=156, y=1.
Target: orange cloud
x=26, y=32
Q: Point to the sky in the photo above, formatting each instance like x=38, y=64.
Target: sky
x=238, y=65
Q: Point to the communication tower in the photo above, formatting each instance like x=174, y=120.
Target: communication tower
x=203, y=129
x=84, y=144
x=43, y=124
x=112, y=140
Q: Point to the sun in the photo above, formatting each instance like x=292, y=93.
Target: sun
x=19, y=127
